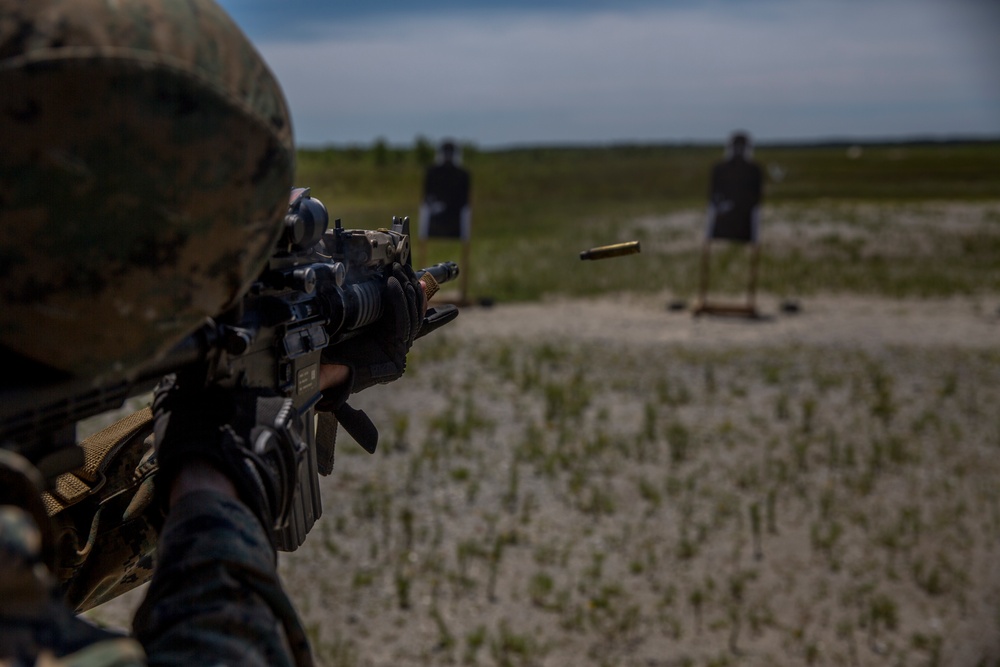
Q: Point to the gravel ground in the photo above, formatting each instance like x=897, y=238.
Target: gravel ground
x=823, y=320
x=606, y=482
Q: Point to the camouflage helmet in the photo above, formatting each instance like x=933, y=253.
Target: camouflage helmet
x=146, y=163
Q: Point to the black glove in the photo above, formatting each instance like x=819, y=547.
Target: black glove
x=378, y=356
x=246, y=435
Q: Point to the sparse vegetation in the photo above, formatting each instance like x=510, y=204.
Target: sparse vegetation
x=597, y=503
x=868, y=224
x=740, y=546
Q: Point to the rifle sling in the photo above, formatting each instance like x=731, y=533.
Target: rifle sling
x=99, y=450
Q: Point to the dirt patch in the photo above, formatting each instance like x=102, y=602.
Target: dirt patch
x=605, y=482
x=822, y=320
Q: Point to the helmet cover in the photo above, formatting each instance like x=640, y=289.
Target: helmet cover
x=146, y=166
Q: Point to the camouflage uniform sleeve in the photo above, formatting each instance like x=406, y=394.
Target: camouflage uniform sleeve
x=36, y=628
x=215, y=597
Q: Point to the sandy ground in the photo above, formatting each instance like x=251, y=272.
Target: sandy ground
x=455, y=544
x=822, y=320
x=556, y=578
x=609, y=482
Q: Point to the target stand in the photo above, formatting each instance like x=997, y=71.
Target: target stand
x=705, y=307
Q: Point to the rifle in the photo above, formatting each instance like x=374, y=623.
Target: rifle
x=320, y=287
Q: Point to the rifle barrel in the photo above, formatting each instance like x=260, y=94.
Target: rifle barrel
x=443, y=272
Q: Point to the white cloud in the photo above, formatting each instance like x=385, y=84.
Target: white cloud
x=783, y=70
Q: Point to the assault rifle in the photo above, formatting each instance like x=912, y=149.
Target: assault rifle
x=320, y=287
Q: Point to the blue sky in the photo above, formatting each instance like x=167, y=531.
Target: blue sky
x=520, y=72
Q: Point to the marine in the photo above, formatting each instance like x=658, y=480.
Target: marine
x=147, y=164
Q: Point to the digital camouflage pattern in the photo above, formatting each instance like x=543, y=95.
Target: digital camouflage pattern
x=146, y=163
x=103, y=518
x=35, y=627
x=215, y=597
x=24, y=580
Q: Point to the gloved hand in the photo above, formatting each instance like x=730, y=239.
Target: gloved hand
x=378, y=356
x=246, y=435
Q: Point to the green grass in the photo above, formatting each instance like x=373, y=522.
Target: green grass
x=535, y=209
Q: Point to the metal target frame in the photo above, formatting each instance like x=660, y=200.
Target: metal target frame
x=703, y=306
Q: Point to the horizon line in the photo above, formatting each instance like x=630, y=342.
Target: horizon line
x=832, y=141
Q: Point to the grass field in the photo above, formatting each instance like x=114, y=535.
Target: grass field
x=623, y=486
x=561, y=503
x=556, y=502
x=536, y=209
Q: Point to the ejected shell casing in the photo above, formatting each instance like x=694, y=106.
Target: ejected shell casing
x=606, y=251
